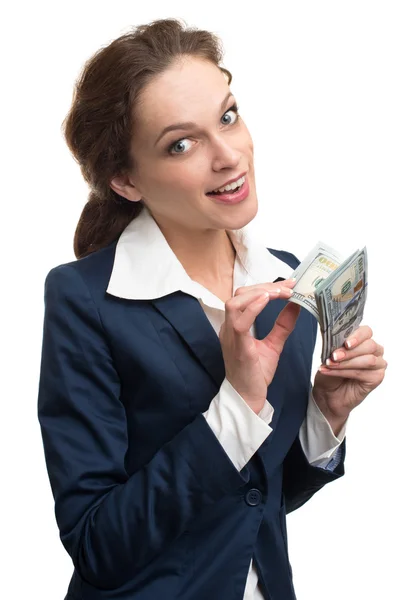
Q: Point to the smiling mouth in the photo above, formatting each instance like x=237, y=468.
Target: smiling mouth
x=224, y=192
x=241, y=181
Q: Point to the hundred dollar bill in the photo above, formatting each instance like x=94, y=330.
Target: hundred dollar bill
x=341, y=298
x=319, y=263
x=334, y=291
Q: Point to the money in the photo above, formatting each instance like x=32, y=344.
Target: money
x=319, y=263
x=342, y=299
x=334, y=291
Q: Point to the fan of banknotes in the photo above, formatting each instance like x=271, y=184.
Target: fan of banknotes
x=334, y=291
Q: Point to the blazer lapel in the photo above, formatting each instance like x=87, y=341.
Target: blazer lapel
x=187, y=317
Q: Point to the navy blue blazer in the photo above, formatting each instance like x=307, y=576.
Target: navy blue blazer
x=148, y=504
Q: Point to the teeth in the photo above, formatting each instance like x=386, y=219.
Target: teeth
x=231, y=186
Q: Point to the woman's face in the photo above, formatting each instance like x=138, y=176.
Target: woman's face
x=175, y=170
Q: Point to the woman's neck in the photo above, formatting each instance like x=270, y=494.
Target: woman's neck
x=208, y=256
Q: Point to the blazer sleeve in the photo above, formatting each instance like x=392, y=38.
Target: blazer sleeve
x=112, y=523
x=301, y=480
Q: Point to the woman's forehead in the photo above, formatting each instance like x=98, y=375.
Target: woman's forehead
x=182, y=92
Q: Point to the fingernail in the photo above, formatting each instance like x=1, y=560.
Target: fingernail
x=350, y=343
x=331, y=363
x=338, y=355
x=264, y=296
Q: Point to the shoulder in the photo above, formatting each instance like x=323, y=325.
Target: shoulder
x=287, y=257
x=92, y=271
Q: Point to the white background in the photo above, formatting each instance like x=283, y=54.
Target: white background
x=327, y=91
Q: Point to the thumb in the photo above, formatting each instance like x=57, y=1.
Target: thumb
x=283, y=326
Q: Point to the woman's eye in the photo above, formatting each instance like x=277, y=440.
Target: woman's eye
x=234, y=109
x=175, y=145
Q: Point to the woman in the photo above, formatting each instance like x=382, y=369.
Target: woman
x=174, y=402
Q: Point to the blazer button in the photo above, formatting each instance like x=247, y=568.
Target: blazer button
x=253, y=497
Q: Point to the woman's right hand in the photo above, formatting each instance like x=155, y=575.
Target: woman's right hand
x=250, y=364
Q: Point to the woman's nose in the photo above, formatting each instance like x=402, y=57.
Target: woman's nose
x=225, y=154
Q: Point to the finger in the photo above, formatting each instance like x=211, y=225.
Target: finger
x=283, y=326
x=368, y=361
x=363, y=375
x=269, y=286
x=241, y=311
x=357, y=337
x=277, y=292
x=366, y=347
x=288, y=282
x=240, y=302
x=379, y=351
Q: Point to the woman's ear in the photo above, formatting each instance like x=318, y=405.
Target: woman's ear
x=125, y=188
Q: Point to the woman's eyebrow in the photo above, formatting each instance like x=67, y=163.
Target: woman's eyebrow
x=188, y=124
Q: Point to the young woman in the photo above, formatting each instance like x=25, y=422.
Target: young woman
x=175, y=405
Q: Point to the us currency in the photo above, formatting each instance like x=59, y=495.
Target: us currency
x=333, y=291
x=319, y=263
x=341, y=298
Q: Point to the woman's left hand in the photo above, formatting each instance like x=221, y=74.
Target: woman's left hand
x=353, y=371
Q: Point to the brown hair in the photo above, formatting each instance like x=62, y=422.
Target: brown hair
x=98, y=126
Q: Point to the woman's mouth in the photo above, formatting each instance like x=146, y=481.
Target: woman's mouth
x=232, y=196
